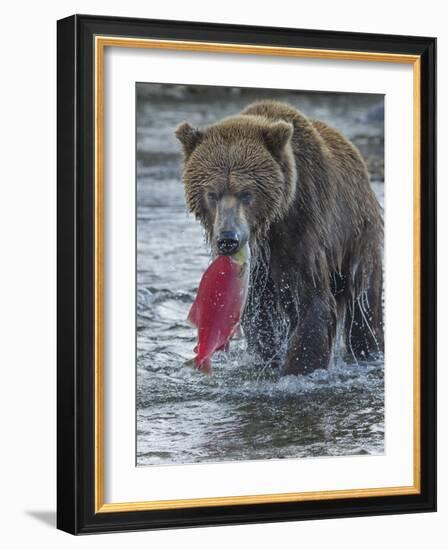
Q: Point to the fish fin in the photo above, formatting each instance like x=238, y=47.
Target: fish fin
x=193, y=314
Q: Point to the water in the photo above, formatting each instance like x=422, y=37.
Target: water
x=241, y=412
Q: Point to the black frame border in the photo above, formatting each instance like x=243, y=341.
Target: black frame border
x=75, y=270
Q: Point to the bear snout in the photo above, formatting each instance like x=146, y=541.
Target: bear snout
x=227, y=242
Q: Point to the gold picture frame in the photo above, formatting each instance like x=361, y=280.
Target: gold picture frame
x=100, y=41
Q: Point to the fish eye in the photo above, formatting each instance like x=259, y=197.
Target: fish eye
x=246, y=197
x=212, y=197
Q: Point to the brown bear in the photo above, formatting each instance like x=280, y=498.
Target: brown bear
x=299, y=193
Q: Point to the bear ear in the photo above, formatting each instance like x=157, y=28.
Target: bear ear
x=189, y=137
x=277, y=135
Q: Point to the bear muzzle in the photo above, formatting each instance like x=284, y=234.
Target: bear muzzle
x=227, y=242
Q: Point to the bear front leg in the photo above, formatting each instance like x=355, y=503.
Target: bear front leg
x=311, y=341
x=260, y=321
x=262, y=336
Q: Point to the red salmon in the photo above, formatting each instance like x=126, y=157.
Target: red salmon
x=219, y=304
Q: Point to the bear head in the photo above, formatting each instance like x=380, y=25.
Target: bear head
x=239, y=176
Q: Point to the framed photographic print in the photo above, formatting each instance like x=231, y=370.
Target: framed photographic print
x=246, y=274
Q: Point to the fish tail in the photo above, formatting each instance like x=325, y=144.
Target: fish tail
x=204, y=366
x=190, y=363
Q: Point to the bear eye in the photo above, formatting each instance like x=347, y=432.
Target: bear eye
x=212, y=197
x=246, y=197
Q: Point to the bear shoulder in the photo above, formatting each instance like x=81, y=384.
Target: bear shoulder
x=277, y=110
x=307, y=140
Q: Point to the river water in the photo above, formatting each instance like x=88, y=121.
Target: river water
x=241, y=412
